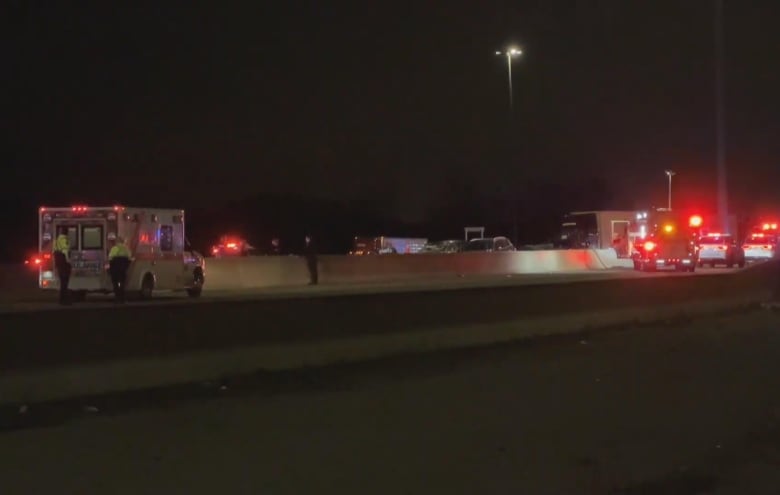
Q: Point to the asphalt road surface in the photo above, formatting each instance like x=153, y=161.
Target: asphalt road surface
x=36, y=300
x=684, y=407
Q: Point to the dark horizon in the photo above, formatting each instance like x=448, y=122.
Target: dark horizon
x=403, y=103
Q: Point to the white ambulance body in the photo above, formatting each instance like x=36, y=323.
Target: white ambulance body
x=155, y=237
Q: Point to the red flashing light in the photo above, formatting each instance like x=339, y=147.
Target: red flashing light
x=79, y=209
x=696, y=221
x=649, y=246
x=42, y=209
x=232, y=245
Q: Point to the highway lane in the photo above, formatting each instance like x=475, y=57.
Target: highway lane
x=687, y=407
x=32, y=300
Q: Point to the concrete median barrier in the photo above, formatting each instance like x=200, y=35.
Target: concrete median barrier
x=58, y=354
x=274, y=271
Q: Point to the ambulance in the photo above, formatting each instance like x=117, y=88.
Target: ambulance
x=161, y=258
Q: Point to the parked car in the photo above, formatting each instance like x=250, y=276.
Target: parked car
x=489, y=244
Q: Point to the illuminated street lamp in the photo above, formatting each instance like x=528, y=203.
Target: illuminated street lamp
x=670, y=174
x=511, y=52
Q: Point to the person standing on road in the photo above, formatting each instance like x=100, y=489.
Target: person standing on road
x=118, y=263
x=310, y=252
x=62, y=264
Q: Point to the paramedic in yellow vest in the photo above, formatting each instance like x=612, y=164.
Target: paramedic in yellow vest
x=62, y=265
x=118, y=263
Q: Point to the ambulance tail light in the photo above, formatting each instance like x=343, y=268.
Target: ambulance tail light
x=39, y=261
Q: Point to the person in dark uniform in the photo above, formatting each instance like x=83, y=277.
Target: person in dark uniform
x=118, y=263
x=310, y=252
x=62, y=264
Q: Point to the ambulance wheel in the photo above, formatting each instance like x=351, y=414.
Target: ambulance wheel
x=198, y=287
x=147, y=286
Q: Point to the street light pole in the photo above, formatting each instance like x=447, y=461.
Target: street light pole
x=723, y=202
x=670, y=174
x=512, y=52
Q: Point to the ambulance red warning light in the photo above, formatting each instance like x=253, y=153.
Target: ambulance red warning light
x=696, y=221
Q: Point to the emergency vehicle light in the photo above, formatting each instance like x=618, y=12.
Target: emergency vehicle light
x=695, y=221
x=649, y=246
x=79, y=208
x=668, y=228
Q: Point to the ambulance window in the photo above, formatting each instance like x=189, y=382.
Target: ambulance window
x=72, y=231
x=166, y=238
x=92, y=237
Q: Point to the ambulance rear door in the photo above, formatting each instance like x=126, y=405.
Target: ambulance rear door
x=87, y=239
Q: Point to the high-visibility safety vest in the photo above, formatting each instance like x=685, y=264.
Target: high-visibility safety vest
x=61, y=245
x=119, y=251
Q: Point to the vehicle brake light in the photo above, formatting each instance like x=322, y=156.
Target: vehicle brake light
x=649, y=246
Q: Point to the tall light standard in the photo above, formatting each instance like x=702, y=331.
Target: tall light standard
x=511, y=52
x=720, y=118
x=670, y=174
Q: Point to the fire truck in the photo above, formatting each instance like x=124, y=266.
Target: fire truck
x=761, y=242
x=669, y=242
x=161, y=258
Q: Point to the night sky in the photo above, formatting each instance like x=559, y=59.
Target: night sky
x=193, y=105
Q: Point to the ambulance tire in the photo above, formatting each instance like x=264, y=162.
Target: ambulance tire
x=147, y=287
x=198, y=289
